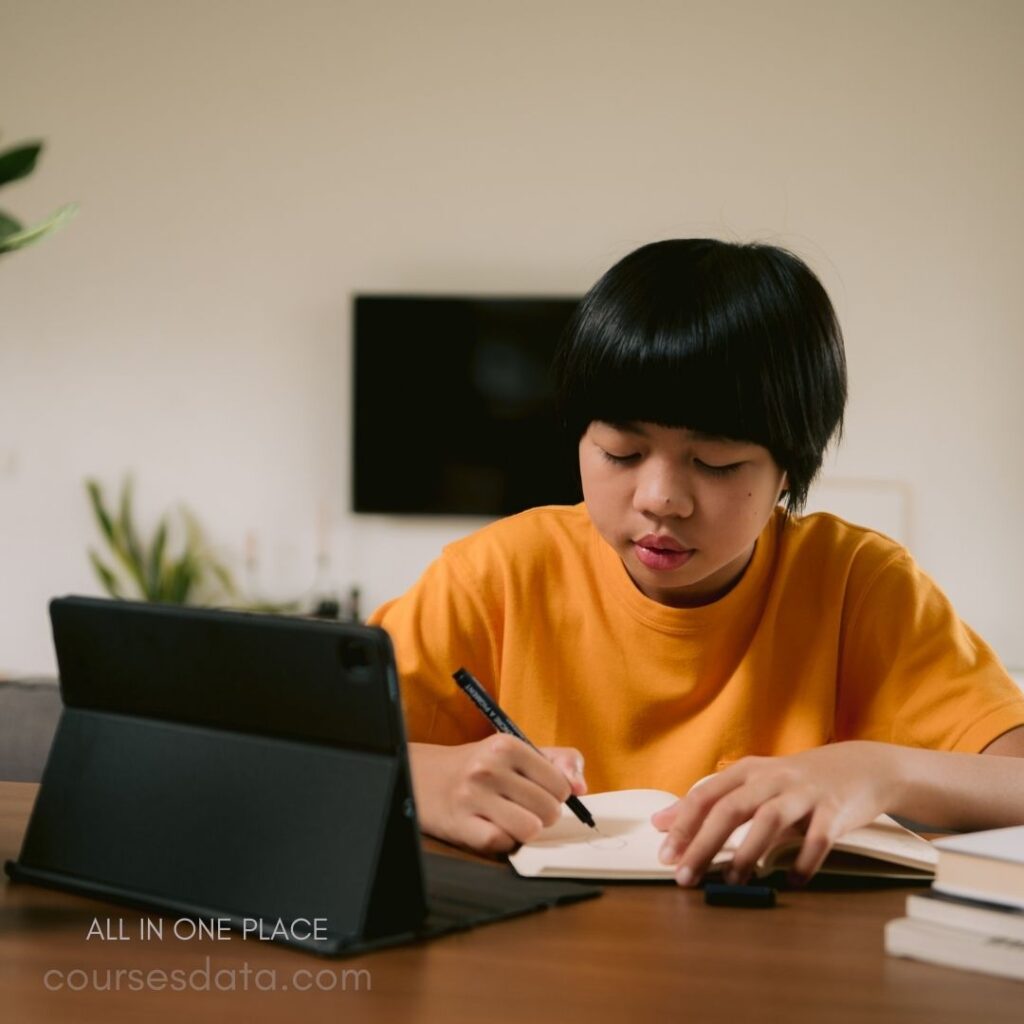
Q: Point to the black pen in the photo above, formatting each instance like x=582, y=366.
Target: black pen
x=485, y=702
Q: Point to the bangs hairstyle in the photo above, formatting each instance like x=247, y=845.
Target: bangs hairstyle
x=736, y=341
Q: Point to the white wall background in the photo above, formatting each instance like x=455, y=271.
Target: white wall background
x=244, y=166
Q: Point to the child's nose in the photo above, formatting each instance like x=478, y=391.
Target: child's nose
x=662, y=492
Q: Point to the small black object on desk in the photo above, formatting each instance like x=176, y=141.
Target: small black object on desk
x=718, y=895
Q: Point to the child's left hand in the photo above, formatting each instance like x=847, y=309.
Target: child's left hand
x=825, y=791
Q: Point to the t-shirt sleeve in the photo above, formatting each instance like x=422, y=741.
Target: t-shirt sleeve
x=912, y=673
x=439, y=625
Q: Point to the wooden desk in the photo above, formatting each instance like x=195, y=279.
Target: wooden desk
x=639, y=953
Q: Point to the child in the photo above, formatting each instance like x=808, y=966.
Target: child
x=681, y=622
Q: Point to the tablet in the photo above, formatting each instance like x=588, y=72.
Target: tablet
x=250, y=769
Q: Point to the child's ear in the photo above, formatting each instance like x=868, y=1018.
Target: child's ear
x=784, y=488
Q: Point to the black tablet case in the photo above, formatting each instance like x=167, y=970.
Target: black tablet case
x=224, y=765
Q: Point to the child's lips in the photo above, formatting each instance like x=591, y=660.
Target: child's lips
x=662, y=542
x=661, y=559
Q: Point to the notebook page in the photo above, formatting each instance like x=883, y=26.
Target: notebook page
x=624, y=844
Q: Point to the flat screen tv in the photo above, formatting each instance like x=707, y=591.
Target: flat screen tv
x=454, y=405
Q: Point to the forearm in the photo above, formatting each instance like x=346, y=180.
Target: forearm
x=966, y=792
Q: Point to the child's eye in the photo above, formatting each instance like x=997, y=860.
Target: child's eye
x=620, y=460
x=719, y=470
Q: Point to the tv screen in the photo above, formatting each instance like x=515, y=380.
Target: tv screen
x=454, y=405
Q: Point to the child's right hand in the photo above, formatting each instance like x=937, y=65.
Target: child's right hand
x=492, y=795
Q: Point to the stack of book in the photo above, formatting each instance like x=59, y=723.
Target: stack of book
x=973, y=916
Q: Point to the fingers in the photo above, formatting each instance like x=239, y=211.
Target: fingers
x=503, y=834
x=490, y=795
x=569, y=761
x=509, y=784
x=514, y=791
x=821, y=834
x=824, y=792
x=721, y=821
x=502, y=827
x=532, y=764
x=770, y=824
x=692, y=811
x=522, y=792
x=772, y=815
x=663, y=819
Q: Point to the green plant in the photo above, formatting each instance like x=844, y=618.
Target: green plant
x=151, y=570
x=20, y=162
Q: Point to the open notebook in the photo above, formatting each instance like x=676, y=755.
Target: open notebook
x=625, y=845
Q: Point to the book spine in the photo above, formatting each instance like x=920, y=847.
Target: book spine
x=978, y=894
x=951, y=947
x=996, y=923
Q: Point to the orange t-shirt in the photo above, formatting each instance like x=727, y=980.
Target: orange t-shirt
x=832, y=633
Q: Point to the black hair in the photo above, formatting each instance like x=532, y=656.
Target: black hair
x=737, y=341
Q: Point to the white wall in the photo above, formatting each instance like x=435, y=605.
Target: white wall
x=244, y=166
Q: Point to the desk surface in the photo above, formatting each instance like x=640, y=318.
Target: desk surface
x=640, y=952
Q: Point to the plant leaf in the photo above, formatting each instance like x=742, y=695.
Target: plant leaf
x=8, y=225
x=100, y=509
x=225, y=578
x=156, y=560
x=194, y=541
x=131, y=550
x=171, y=584
x=183, y=578
x=27, y=236
x=153, y=568
x=19, y=161
x=112, y=534
x=107, y=577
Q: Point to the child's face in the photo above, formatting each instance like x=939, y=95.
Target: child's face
x=684, y=527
